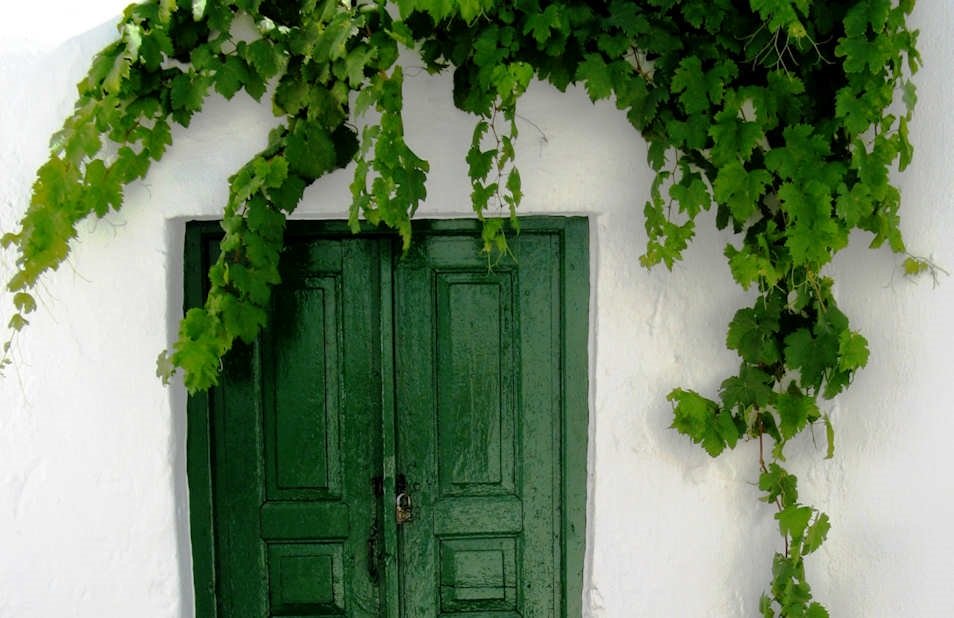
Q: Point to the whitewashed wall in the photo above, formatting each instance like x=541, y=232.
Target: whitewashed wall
x=93, y=510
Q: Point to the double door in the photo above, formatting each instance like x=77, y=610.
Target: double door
x=407, y=437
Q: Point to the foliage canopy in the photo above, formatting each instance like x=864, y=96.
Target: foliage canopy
x=785, y=116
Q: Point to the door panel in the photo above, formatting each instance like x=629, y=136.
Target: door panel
x=379, y=373
x=479, y=426
x=297, y=447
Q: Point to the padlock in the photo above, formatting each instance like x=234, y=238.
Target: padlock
x=403, y=508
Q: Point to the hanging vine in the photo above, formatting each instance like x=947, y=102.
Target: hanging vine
x=786, y=116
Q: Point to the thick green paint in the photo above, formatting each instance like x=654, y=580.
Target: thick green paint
x=467, y=382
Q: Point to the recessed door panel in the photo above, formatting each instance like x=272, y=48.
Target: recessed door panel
x=302, y=418
x=475, y=377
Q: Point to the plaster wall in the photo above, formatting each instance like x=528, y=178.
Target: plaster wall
x=93, y=506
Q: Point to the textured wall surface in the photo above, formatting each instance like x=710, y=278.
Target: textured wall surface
x=93, y=509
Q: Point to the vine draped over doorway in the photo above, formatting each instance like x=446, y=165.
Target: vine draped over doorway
x=786, y=116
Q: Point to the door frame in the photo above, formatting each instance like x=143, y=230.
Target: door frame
x=573, y=236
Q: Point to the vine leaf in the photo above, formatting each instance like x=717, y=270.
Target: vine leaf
x=793, y=520
x=816, y=533
x=701, y=420
x=594, y=72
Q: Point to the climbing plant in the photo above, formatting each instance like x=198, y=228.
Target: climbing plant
x=785, y=116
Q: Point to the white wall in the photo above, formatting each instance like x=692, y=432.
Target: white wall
x=93, y=514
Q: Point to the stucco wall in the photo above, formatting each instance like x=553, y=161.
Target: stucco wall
x=93, y=510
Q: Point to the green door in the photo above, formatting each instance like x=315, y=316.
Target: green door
x=408, y=437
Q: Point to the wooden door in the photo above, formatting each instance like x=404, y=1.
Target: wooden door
x=427, y=375
x=478, y=384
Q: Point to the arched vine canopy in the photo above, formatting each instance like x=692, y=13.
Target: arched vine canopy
x=785, y=116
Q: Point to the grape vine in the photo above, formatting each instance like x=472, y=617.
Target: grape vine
x=785, y=116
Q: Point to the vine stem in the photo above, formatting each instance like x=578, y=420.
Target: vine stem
x=764, y=468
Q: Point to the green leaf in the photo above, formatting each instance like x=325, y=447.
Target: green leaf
x=264, y=220
x=801, y=352
x=514, y=188
x=857, y=116
x=471, y=9
x=802, y=155
x=201, y=343
x=273, y=171
x=198, y=9
x=355, y=63
x=9, y=239
x=912, y=266
x=117, y=73
x=78, y=142
x=102, y=189
x=795, y=411
x=751, y=388
x=541, y=23
x=195, y=324
x=791, y=591
x=244, y=184
x=158, y=139
x=852, y=351
x=780, y=14
x=860, y=54
x=689, y=82
x=247, y=281
x=692, y=194
x=165, y=368
x=199, y=362
x=740, y=190
x=816, y=534
x=595, y=74
x=854, y=205
x=734, y=138
x=288, y=195
x=698, y=418
x=17, y=322
x=778, y=485
x=241, y=319
x=753, y=333
x=728, y=427
x=480, y=196
x=230, y=76
x=187, y=96
x=331, y=43
x=793, y=520
x=909, y=95
x=748, y=268
x=310, y=151
x=479, y=162
x=264, y=57
x=815, y=610
x=688, y=135
x=905, y=149
x=132, y=37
